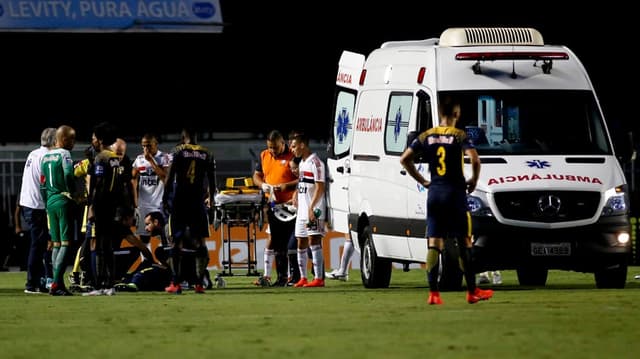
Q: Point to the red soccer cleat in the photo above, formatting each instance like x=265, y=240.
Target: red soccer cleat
x=173, y=289
x=434, y=298
x=478, y=295
x=199, y=288
x=316, y=282
x=301, y=283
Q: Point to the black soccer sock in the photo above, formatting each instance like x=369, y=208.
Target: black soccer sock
x=467, y=267
x=433, y=268
x=174, y=264
x=294, y=270
x=281, y=266
x=202, y=261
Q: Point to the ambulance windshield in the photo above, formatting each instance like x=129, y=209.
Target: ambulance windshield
x=524, y=122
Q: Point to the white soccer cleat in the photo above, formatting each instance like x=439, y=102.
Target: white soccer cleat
x=483, y=278
x=220, y=282
x=335, y=274
x=496, y=277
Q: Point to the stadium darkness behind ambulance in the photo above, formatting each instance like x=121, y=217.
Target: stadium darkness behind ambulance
x=267, y=64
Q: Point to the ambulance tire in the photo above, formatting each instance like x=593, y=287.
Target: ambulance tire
x=374, y=271
x=611, y=278
x=531, y=276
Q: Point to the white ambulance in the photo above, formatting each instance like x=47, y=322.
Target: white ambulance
x=551, y=193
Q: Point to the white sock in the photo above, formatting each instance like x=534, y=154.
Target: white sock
x=316, y=254
x=302, y=262
x=347, y=252
x=269, y=255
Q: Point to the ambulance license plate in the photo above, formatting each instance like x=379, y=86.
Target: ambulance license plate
x=550, y=249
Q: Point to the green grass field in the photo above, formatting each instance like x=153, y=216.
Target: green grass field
x=569, y=318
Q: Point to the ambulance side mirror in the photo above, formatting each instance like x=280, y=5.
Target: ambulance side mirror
x=626, y=152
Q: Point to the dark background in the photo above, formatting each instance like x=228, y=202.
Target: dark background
x=274, y=65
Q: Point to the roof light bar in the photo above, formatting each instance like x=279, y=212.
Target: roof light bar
x=546, y=57
x=512, y=55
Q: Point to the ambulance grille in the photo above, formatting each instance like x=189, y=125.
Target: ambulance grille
x=547, y=206
x=483, y=36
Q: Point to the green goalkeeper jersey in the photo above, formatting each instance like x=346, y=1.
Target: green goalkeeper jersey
x=57, y=181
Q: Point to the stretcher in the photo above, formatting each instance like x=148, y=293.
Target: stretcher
x=239, y=207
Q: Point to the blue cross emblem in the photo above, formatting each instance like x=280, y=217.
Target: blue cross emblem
x=538, y=163
x=342, y=125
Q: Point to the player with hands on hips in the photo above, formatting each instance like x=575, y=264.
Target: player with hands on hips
x=443, y=147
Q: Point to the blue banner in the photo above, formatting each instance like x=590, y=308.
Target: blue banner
x=111, y=15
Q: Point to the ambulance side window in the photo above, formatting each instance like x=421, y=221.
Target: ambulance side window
x=397, y=123
x=343, y=124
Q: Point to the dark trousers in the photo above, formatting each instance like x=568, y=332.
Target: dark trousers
x=36, y=267
x=280, y=234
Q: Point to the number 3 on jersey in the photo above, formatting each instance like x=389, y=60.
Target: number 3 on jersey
x=442, y=167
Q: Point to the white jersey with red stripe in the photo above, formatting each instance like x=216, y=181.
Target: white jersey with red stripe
x=150, y=187
x=312, y=170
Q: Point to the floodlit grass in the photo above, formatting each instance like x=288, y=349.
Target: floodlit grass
x=569, y=318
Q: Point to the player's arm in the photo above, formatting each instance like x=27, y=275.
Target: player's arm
x=406, y=160
x=43, y=183
x=474, y=159
x=135, y=178
x=168, y=188
x=16, y=218
x=157, y=168
x=258, y=176
x=69, y=175
x=315, y=199
x=136, y=242
x=211, y=177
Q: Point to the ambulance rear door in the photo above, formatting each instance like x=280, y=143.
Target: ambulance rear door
x=347, y=84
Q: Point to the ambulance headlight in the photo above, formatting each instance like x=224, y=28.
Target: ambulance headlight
x=617, y=202
x=477, y=207
x=623, y=238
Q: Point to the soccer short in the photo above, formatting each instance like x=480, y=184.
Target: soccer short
x=194, y=218
x=302, y=231
x=447, y=213
x=60, y=221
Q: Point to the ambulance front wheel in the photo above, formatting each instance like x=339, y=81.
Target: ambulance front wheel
x=375, y=271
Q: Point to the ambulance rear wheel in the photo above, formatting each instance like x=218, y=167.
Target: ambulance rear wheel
x=615, y=277
x=532, y=276
x=374, y=271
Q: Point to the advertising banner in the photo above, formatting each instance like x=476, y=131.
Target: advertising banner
x=243, y=251
x=111, y=15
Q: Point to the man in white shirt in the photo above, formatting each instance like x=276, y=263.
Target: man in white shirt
x=148, y=176
x=33, y=208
